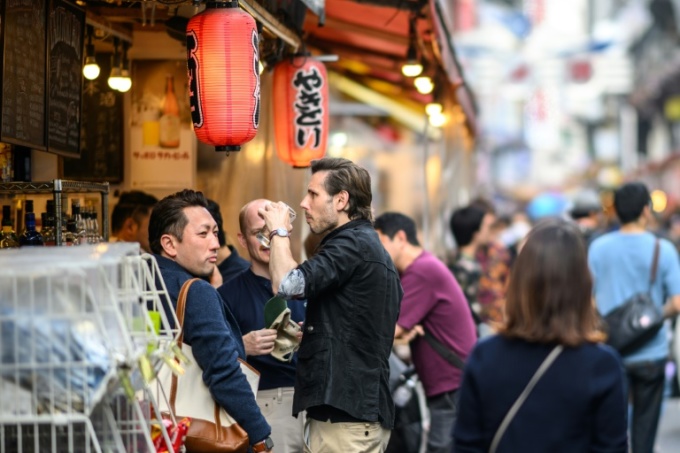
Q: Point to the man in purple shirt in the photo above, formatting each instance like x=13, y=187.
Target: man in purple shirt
x=433, y=303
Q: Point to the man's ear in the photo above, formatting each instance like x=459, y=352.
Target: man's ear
x=129, y=230
x=401, y=235
x=242, y=240
x=169, y=245
x=342, y=201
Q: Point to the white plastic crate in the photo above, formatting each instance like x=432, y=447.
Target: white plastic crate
x=82, y=329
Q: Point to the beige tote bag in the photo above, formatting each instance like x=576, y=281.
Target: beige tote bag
x=212, y=429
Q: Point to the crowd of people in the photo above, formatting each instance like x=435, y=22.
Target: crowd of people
x=506, y=336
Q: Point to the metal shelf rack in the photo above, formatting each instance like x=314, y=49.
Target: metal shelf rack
x=59, y=186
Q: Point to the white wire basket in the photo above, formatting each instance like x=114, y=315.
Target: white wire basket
x=82, y=332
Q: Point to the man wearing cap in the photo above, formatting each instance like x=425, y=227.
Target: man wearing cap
x=353, y=295
x=269, y=332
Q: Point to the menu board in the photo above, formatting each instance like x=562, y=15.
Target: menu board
x=101, y=133
x=23, y=73
x=65, y=34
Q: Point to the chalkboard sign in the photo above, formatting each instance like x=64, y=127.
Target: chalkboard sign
x=23, y=73
x=101, y=132
x=65, y=31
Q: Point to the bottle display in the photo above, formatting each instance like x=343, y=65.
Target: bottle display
x=30, y=237
x=80, y=223
x=48, y=233
x=169, y=122
x=8, y=238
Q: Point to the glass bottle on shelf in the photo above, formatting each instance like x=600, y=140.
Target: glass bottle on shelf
x=70, y=236
x=30, y=236
x=8, y=238
x=48, y=233
x=169, y=122
x=81, y=226
x=96, y=237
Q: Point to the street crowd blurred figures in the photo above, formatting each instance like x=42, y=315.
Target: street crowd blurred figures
x=353, y=297
x=433, y=305
x=586, y=212
x=621, y=263
x=246, y=295
x=471, y=228
x=130, y=218
x=495, y=260
x=548, y=304
x=229, y=263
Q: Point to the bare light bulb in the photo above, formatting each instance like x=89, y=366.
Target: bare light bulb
x=91, y=69
x=424, y=84
x=433, y=108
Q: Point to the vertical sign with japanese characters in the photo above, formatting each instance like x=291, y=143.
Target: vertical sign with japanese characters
x=301, y=110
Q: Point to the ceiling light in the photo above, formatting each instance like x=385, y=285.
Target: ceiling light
x=412, y=66
x=91, y=69
x=437, y=120
x=114, y=76
x=433, y=108
x=424, y=84
x=125, y=82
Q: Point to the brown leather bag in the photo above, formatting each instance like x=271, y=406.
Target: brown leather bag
x=212, y=429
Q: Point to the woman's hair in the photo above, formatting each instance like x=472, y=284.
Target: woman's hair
x=549, y=297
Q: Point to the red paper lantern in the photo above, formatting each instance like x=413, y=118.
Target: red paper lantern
x=300, y=110
x=224, y=81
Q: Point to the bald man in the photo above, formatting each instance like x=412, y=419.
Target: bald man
x=246, y=295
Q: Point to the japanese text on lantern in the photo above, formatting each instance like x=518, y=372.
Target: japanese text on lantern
x=308, y=107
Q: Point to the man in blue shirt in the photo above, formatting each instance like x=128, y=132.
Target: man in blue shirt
x=246, y=295
x=621, y=263
x=183, y=238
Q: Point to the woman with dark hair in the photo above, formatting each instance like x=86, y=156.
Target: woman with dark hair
x=545, y=383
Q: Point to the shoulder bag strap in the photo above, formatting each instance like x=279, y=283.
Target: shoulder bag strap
x=446, y=353
x=180, y=309
x=655, y=265
x=525, y=393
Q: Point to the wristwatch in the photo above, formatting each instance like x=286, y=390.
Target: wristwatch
x=263, y=446
x=284, y=233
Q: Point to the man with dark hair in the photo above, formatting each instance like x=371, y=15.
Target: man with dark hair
x=621, y=263
x=247, y=295
x=229, y=263
x=130, y=218
x=433, y=302
x=353, y=296
x=183, y=237
x=471, y=227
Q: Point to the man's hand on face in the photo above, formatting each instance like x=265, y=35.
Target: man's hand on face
x=259, y=342
x=276, y=215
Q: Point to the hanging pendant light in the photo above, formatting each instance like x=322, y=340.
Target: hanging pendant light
x=91, y=69
x=224, y=80
x=114, y=80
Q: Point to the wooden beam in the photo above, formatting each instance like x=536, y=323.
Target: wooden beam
x=271, y=23
x=350, y=27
